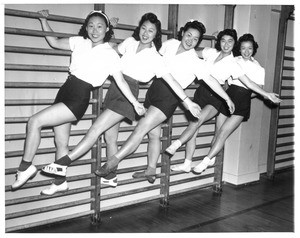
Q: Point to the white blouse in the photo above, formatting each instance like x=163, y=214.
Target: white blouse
x=141, y=66
x=92, y=64
x=184, y=67
x=253, y=71
x=224, y=68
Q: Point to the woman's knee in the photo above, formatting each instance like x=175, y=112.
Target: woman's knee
x=34, y=123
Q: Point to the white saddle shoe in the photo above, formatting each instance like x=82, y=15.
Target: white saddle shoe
x=181, y=167
x=203, y=165
x=55, y=188
x=55, y=169
x=23, y=176
x=110, y=182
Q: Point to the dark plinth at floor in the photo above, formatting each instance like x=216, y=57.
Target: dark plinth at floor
x=266, y=206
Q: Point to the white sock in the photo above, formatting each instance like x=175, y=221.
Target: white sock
x=174, y=146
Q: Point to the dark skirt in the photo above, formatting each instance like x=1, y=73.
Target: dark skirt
x=75, y=94
x=161, y=96
x=204, y=95
x=117, y=102
x=241, y=98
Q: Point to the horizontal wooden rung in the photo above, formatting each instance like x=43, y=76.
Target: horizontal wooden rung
x=286, y=116
x=24, y=67
x=285, y=135
x=279, y=161
x=43, y=197
x=22, y=102
x=48, y=208
x=130, y=192
x=42, y=51
x=25, y=119
x=284, y=152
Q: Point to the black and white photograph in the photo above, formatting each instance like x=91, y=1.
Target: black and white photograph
x=144, y=118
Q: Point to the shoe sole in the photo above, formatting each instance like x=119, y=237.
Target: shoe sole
x=54, y=193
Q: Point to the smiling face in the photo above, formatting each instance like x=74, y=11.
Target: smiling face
x=190, y=38
x=246, y=49
x=96, y=29
x=227, y=43
x=147, y=32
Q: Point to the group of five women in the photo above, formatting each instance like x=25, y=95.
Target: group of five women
x=172, y=66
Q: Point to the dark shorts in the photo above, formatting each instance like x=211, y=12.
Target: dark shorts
x=75, y=94
x=204, y=95
x=161, y=96
x=241, y=98
x=117, y=102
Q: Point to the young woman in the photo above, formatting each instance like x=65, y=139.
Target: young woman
x=93, y=60
x=240, y=95
x=140, y=62
x=183, y=64
x=224, y=66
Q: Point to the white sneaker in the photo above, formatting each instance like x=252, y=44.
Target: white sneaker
x=60, y=170
x=111, y=182
x=173, y=147
x=203, y=165
x=55, y=188
x=23, y=176
x=181, y=167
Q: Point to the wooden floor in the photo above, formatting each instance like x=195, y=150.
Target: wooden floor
x=267, y=206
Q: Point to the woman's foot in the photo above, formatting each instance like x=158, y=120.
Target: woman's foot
x=185, y=167
x=55, y=188
x=23, y=176
x=173, y=147
x=203, y=165
x=104, y=170
x=55, y=169
x=143, y=174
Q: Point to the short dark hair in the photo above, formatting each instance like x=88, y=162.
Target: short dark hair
x=195, y=25
x=247, y=37
x=151, y=17
x=108, y=34
x=227, y=32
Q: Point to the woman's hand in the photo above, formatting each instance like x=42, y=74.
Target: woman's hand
x=274, y=97
x=230, y=105
x=114, y=21
x=194, y=108
x=139, y=108
x=44, y=14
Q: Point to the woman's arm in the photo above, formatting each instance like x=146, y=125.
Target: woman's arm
x=187, y=102
x=253, y=86
x=123, y=85
x=214, y=85
x=58, y=43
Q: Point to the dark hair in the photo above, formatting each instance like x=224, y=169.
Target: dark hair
x=247, y=37
x=108, y=34
x=195, y=25
x=151, y=17
x=227, y=32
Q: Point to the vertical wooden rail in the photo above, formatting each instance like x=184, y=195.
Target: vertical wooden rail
x=229, y=16
x=96, y=155
x=282, y=30
x=96, y=150
x=218, y=175
x=167, y=130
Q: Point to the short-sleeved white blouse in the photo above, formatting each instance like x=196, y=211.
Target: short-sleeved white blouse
x=184, y=67
x=92, y=64
x=224, y=68
x=253, y=71
x=141, y=66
